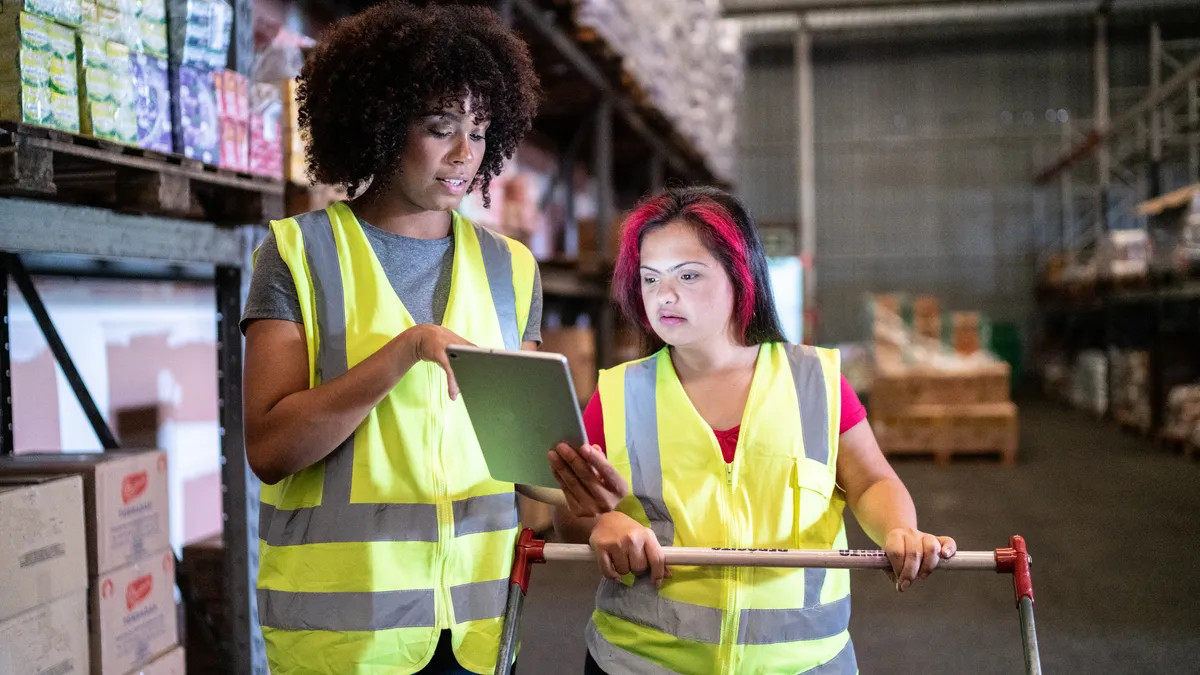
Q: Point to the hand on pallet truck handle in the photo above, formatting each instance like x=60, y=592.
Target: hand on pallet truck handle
x=1014, y=560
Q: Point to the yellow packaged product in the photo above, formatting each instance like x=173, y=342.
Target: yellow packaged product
x=65, y=111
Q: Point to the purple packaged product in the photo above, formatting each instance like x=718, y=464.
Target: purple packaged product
x=196, y=116
x=153, y=86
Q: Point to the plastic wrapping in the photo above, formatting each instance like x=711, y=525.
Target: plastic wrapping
x=153, y=103
x=200, y=32
x=266, y=140
x=196, y=116
x=38, y=78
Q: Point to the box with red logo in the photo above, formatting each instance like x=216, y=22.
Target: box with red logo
x=51, y=638
x=133, y=614
x=235, y=144
x=125, y=500
x=171, y=663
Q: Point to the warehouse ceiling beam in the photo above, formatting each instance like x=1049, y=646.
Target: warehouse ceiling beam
x=773, y=16
x=565, y=45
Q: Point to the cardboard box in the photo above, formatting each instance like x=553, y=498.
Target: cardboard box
x=125, y=500
x=578, y=344
x=133, y=614
x=44, y=556
x=171, y=663
x=898, y=387
x=52, y=638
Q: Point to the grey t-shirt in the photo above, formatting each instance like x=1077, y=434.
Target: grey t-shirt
x=418, y=269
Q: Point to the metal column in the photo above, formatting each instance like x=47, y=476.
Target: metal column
x=657, y=179
x=239, y=496
x=1156, y=115
x=1104, y=155
x=6, y=418
x=806, y=207
x=1193, y=103
x=602, y=168
x=1067, y=188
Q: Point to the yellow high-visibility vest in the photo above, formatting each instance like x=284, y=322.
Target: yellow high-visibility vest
x=400, y=533
x=779, y=492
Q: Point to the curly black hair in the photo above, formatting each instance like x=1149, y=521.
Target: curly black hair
x=374, y=73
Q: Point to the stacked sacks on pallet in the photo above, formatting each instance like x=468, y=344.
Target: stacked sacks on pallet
x=1089, y=382
x=927, y=396
x=1182, y=422
x=1131, y=388
x=687, y=60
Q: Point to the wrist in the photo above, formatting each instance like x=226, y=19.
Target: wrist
x=404, y=350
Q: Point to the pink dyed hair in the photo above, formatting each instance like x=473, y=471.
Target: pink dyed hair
x=717, y=230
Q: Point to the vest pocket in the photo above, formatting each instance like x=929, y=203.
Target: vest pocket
x=812, y=485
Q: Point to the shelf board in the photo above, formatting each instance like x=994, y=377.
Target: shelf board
x=33, y=226
x=1172, y=200
x=72, y=168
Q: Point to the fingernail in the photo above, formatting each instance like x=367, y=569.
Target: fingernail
x=924, y=575
x=904, y=585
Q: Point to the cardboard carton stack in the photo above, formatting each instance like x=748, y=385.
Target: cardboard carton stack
x=43, y=576
x=1182, y=422
x=1131, y=388
x=129, y=562
x=929, y=396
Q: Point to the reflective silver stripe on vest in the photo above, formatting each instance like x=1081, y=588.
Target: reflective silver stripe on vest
x=774, y=626
x=497, y=260
x=808, y=375
x=480, y=600
x=489, y=513
x=617, y=661
x=337, y=520
x=814, y=581
x=320, y=250
x=643, y=606
x=843, y=664
x=346, y=523
x=379, y=610
x=641, y=439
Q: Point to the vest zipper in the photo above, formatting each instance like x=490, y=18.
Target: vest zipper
x=444, y=512
x=731, y=616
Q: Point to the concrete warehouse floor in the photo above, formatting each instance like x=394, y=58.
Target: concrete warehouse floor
x=1113, y=525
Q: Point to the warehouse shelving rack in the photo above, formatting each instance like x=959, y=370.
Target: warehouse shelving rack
x=50, y=224
x=1109, y=177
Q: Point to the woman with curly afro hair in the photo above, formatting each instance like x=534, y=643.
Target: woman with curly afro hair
x=385, y=544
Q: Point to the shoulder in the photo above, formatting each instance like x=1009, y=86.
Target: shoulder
x=522, y=256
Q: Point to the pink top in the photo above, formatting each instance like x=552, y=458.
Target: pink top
x=853, y=412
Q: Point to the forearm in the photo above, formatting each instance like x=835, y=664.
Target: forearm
x=884, y=506
x=305, y=427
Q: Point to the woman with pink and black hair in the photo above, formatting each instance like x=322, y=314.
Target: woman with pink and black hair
x=728, y=437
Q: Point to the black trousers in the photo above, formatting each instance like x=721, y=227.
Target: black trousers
x=444, y=663
x=590, y=667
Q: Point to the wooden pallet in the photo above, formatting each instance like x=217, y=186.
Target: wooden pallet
x=61, y=166
x=946, y=431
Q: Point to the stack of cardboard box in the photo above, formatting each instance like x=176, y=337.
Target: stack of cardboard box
x=130, y=566
x=43, y=576
x=933, y=396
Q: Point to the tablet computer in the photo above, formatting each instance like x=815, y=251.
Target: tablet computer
x=521, y=404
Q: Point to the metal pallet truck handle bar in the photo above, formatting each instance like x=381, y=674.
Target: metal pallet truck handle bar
x=1014, y=560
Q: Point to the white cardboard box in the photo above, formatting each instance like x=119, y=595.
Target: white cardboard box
x=125, y=501
x=133, y=614
x=52, y=638
x=44, y=554
x=171, y=663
